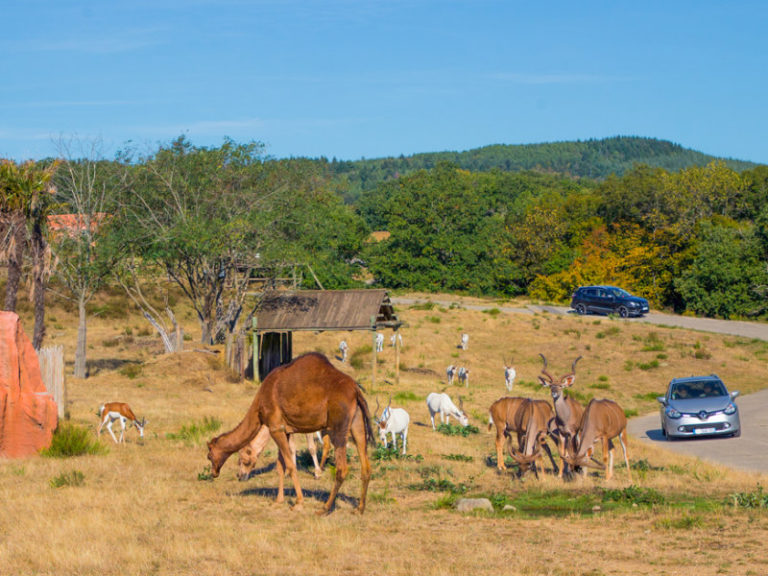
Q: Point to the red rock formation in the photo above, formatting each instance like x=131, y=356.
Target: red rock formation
x=27, y=412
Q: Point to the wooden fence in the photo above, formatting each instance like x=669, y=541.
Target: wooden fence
x=238, y=355
x=52, y=370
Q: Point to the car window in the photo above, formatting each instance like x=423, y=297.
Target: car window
x=680, y=392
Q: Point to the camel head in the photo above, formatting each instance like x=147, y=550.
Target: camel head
x=216, y=456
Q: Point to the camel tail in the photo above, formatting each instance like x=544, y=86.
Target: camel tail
x=363, y=405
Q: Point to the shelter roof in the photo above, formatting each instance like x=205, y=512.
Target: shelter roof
x=320, y=310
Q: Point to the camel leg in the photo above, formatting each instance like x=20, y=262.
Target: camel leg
x=358, y=435
x=326, y=451
x=339, y=440
x=313, y=452
x=280, y=478
x=283, y=444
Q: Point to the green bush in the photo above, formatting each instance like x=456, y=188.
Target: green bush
x=195, y=432
x=70, y=440
x=74, y=478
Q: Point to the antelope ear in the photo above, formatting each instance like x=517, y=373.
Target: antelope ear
x=567, y=381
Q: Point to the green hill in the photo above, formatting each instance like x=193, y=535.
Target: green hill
x=594, y=159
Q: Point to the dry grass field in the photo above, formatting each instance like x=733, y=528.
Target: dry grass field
x=150, y=507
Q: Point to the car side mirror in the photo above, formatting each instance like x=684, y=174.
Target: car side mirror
x=734, y=394
x=661, y=400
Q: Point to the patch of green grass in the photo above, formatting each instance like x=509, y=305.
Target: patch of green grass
x=456, y=430
x=648, y=396
x=755, y=499
x=194, y=432
x=74, y=478
x=407, y=397
x=429, y=305
x=131, y=370
x=70, y=440
x=434, y=319
x=493, y=312
x=610, y=331
x=634, y=495
x=458, y=457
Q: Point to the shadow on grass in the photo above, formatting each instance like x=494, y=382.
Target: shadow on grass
x=319, y=495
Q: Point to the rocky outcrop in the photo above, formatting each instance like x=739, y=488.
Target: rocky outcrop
x=27, y=412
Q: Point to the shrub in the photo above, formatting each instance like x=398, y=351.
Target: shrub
x=755, y=499
x=74, y=478
x=131, y=370
x=456, y=430
x=194, y=432
x=70, y=440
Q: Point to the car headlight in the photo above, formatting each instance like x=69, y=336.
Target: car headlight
x=730, y=409
x=672, y=413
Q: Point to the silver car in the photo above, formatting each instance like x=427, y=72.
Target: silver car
x=699, y=406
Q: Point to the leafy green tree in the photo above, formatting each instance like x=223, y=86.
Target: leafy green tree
x=727, y=269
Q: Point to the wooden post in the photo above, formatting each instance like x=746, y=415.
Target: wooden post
x=51, y=361
x=397, y=359
x=373, y=369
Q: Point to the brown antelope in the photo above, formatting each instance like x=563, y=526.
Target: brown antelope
x=568, y=412
x=305, y=396
x=534, y=417
x=504, y=416
x=248, y=456
x=120, y=411
x=603, y=421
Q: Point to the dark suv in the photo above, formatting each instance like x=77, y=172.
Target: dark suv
x=607, y=300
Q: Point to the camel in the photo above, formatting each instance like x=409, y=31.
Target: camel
x=305, y=396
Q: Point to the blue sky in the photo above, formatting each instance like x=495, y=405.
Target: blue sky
x=369, y=78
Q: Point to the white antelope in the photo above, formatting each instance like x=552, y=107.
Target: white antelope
x=393, y=421
x=509, y=377
x=343, y=349
x=464, y=341
x=441, y=403
x=464, y=376
x=396, y=339
x=120, y=411
x=379, y=342
x=247, y=457
x=450, y=372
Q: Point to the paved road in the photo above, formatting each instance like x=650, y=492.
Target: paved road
x=749, y=452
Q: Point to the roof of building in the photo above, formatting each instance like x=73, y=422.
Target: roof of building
x=320, y=310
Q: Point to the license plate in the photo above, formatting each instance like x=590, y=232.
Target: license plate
x=704, y=431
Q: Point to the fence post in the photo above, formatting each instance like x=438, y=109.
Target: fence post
x=51, y=361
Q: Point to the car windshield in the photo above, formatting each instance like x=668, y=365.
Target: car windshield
x=702, y=389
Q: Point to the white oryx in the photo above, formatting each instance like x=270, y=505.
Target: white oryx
x=464, y=376
x=112, y=411
x=450, y=372
x=441, y=403
x=393, y=421
x=379, y=342
x=509, y=377
x=464, y=341
x=343, y=349
x=396, y=338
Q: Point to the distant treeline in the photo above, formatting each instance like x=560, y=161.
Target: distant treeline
x=593, y=159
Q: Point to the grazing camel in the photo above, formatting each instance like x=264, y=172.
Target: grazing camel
x=305, y=396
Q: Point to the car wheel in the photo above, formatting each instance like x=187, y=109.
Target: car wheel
x=623, y=312
x=581, y=309
x=663, y=431
x=736, y=434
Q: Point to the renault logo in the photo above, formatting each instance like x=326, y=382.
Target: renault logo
x=702, y=415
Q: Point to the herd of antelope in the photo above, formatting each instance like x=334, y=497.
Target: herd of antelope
x=310, y=396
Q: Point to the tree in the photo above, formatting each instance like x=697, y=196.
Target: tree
x=24, y=208
x=80, y=249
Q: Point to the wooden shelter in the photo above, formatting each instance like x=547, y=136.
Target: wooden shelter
x=283, y=312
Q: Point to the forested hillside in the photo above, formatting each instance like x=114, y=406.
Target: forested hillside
x=594, y=159
x=204, y=223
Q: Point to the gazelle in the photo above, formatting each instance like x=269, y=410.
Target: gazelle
x=568, y=412
x=603, y=420
x=120, y=411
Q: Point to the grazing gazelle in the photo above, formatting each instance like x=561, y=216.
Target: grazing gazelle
x=112, y=411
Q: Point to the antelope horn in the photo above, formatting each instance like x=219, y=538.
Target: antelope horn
x=375, y=412
x=544, y=368
x=461, y=403
x=573, y=366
